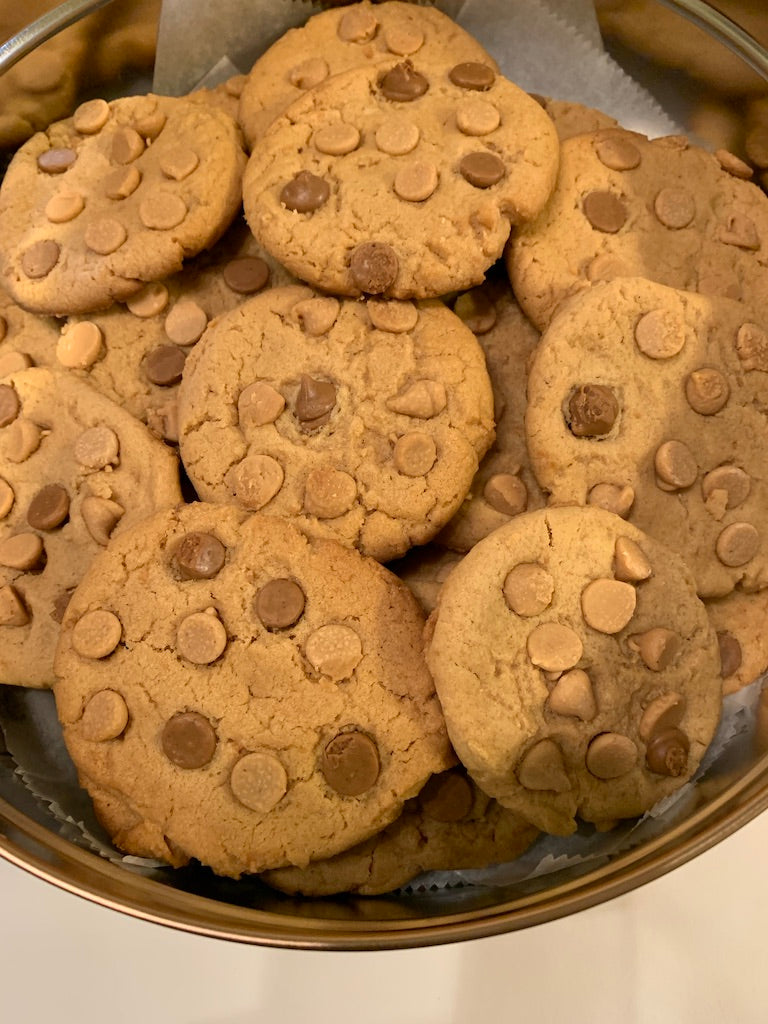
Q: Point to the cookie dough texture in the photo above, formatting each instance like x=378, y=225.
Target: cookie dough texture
x=451, y=825
x=741, y=623
x=268, y=706
x=625, y=206
x=651, y=402
x=400, y=179
x=577, y=670
x=117, y=196
x=75, y=469
x=339, y=40
x=361, y=421
x=25, y=339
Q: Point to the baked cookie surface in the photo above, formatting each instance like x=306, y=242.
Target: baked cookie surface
x=400, y=180
x=269, y=705
x=741, y=623
x=577, y=670
x=362, y=421
x=25, y=339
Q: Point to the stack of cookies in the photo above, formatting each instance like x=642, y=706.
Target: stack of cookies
x=339, y=375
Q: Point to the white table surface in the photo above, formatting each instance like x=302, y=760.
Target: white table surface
x=689, y=947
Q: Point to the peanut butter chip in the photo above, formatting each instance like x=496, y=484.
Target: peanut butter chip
x=334, y=651
x=660, y=334
x=608, y=605
x=12, y=362
x=259, y=403
x=149, y=301
x=337, y=139
x=506, y=493
x=657, y=647
x=542, y=768
x=416, y=181
x=752, y=347
x=90, y=117
x=403, y=83
x=10, y=406
x=528, y=589
x=56, y=161
x=7, y=498
x=186, y=322
x=24, y=551
x=730, y=654
x=617, y=153
x=629, y=561
x=447, y=797
x=315, y=401
x=662, y=713
x=127, y=146
x=477, y=117
x=667, y=753
x=611, y=755
x=162, y=211
x=476, y=310
x=572, y=696
x=554, y=647
x=188, y=740
x=396, y=137
x=482, y=169
x=308, y=73
x=357, y=25
x=199, y=556
x=733, y=165
x=472, y=75
x=350, y=763
x=674, y=207
x=12, y=610
x=280, y=603
x=105, y=717
x=675, y=465
x=23, y=439
x=179, y=163
x=96, y=634
x=256, y=480
x=122, y=182
x=97, y=447
x=105, y=236
x=305, y=193
x=64, y=206
x=79, y=345
x=164, y=365
x=49, y=508
x=329, y=493
x=393, y=316
x=246, y=276
x=259, y=782
x=201, y=638
x=101, y=516
x=403, y=40
x=374, y=267
x=737, y=544
x=740, y=231
x=606, y=267
x=605, y=211
x=150, y=124
x=40, y=258
x=317, y=316
x=422, y=399
x=415, y=454
x=731, y=481
x=706, y=390
x=592, y=411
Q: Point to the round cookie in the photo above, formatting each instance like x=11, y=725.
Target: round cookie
x=119, y=195
x=651, y=402
x=274, y=681
x=25, y=339
x=74, y=469
x=741, y=623
x=362, y=421
x=339, y=40
x=625, y=206
x=504, y=485
x=577, y=670
x=400, y=180
x=449, y=826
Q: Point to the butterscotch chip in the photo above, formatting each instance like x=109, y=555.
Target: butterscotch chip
x=329, y=493
x=179, y=163
x=186, y=322
x=164, y=365
x=49, y=508
x=658, y=647
x=573, y=696
x=350, y=763
x=334, y=651
x=472, y=75
x=592, y=410
x=12, y=610
x=733, y=164
x=415, y=454
x=337, y=139
x=259, y=403
x=731, y=481
x=105, y=236
x=357, y=25
x=660, y=334
x=707, y=390
x=247, y=275
x=96, y=634
x=280, y=603
x=23, y=439
x=661, y=714
x=737, y=544
x=447, y=797
x=308, y=73
x=629, y=561
x=542, y=768
x=10, y=406
x=554, y=647
x=667, y=752
x=256, y=480
x=201, y=638
x=90, y=117
x=397, y=136
x=731, y=655
x=259, y=781
x=199, y=556
x=611, y=755
x=64, y=206
x=403, y=39
x=416, y=181
x=189, y=740
x=528, y=589
x=506, y=493
x=605, y=211
x=675, y=464
x=7, y=498
x=122, y=182
x=393, y=316
x=477, y=117
x=105, y=717
x=56, y=160
x=476, y=310
x=101, y=516
x=317, y=316
x=608, y=605
x=40, y=258
x=97, y=447
x=374, y=267
x=151, y=300
x=79, y=345
x=674, y=207
x=162, y=211
x=617, y=152
x=423, y=399
x=482, y=169
x=127, y=146
x=305, y=193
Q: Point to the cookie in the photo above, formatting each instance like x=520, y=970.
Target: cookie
x=117, y=196
x=275, y=681
x=741, y=623
x=625, y=206
x=362, y=421
x=577, y=670
x=424, y=570
x=400, y=180
x=504, y=485
x=74, y=470
x=338, y=40
x=25, y=339
x=574, y=118
x=225, y=96
x=450, y=825
x=651, y=402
